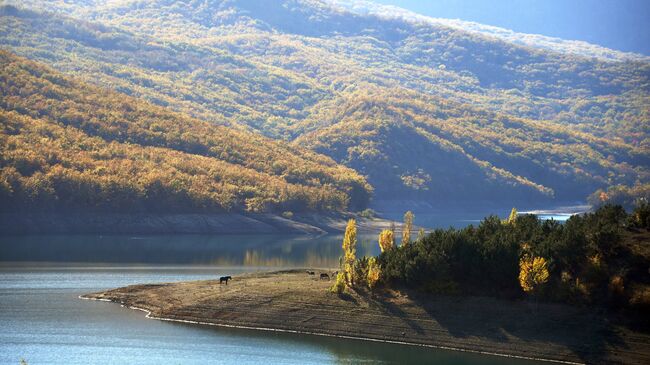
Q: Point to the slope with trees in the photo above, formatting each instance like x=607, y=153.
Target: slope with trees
x=67, y=145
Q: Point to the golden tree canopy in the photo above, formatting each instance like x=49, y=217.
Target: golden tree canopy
x=408, y=226
x=350, y=250
x=386, y=240
x=374, y=272
x=513, y=216
x=533, y=273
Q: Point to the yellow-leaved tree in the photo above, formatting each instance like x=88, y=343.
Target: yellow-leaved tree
x=533, y=273
x=350, y=251
x=374, y=273
x=386, y=240
x=408, y=226
x=345, y=276
x=512, y=217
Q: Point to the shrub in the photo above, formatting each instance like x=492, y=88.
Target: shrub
x=373, y=273
x=339, y=284
x=368, y=213
x=641, y=214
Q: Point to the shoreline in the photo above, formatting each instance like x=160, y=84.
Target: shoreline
x=186, y=223
x=292, y=302
x=148, y=315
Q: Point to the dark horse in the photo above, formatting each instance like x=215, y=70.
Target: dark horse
x=324, y=276
x=224, y=278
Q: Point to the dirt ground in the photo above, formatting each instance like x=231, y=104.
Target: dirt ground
x=296, y=301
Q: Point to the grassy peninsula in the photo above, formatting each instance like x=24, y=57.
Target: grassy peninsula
x=295, y=301
x=574, y=292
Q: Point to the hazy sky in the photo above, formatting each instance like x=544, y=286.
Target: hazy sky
x=618, y=24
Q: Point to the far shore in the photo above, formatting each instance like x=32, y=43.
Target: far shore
x=190, y=223
x=297, y=302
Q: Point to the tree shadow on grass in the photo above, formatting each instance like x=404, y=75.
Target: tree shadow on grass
x=588, y=334
x=348, y=298
x=382, y=303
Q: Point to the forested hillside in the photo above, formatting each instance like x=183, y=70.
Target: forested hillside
x=439, y=149
x=69, y=146
x=427, y=109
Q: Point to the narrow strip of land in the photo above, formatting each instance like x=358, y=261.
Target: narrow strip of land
x=296, y=301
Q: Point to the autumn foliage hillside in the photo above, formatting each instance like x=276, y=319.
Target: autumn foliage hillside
x=427, y=109
x=68, y=145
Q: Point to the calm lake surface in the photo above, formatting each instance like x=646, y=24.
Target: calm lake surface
x=43, y=321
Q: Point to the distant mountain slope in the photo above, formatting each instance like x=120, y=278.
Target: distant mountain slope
x=164, y=43
x=67, y=145
x=423, y=146
x=426, y=108
x=363, y=7
x=214, y=85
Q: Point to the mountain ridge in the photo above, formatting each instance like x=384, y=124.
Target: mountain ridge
x=527, y=39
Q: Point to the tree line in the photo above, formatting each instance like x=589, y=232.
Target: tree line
x=592, y=258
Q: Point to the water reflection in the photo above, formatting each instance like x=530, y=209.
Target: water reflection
x=227, y=250
x=212, y=250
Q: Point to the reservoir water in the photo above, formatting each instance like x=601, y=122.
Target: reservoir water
x=43, y=321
